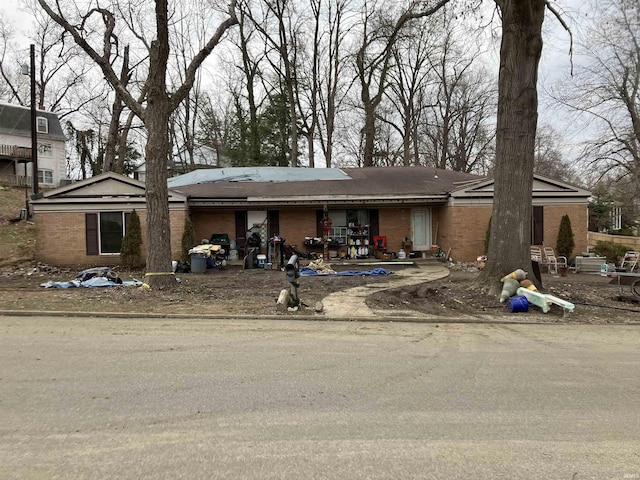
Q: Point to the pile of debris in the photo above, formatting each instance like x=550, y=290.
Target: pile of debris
x=519, y=292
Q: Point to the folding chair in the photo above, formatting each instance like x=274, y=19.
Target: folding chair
x=552, y=261
x=536, y=254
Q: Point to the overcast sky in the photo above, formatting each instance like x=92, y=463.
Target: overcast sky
x=555, y=63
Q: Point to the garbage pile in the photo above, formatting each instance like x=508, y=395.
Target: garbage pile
x=519, y=292
x=93, y=277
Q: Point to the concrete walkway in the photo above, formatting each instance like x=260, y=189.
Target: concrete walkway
x=351, y=303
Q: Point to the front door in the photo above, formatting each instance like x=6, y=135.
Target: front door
x=421, y=228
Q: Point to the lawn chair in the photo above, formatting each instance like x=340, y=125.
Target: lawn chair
x=553, y=261
x=630, y=261
x=536, y=254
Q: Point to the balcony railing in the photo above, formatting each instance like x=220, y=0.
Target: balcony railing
x=15, y=180
x=15, y=152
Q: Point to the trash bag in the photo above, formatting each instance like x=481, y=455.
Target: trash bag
x=183, y=267
x=105, y=272
x=254, y=240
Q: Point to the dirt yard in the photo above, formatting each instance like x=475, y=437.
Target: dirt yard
x=595, y=299
x=253, y=292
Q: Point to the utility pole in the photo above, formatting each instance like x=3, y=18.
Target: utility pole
x=34, y=133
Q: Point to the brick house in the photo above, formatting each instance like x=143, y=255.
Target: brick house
x=15, y=147
x=83, y=223
x=405, y=207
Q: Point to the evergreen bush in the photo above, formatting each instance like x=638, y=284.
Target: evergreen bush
x=131, y=248
x=565, y=242
x=188, y=239
x=614, y=252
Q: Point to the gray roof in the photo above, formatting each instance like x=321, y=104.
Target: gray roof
x=302, y=185
x=256, y=174
x=16, y=120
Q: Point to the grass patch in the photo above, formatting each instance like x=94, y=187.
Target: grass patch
x=17, y=239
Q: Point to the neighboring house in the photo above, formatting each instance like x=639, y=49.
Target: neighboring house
x=414, y=208
x=15, y=147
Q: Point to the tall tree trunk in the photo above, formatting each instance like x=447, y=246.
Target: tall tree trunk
x=156, y=119
x=515, y=139
x=369, y=132
x=110, y=164
x=123, y=144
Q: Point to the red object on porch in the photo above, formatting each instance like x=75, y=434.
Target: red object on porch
x=380, y=242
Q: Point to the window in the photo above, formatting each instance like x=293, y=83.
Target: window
x=45, y=177
x=104, y=232
x=42, y=125
x=111, y=228
x=45, y=150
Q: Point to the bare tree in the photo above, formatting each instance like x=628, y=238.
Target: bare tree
x=279, y=30
x=12, y=83
x=62, y=79
x=332, y=62
x=373, y=60
x=408, y=80
x=548, y=159
x=606, y=92
x=244, y=91
x=457, y=132
x=520, y=51
x=154, y=114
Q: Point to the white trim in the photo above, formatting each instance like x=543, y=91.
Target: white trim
x=42, y=122
x=122, y=231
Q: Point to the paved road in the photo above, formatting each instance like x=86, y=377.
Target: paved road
x=131, y=399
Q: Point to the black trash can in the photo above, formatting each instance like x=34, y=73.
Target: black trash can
x=250, y=259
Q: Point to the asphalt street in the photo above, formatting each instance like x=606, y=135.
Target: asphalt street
x=238, y=399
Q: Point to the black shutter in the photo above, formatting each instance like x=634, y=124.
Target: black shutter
x=319, y=217
x=91, y=233
x=241, y=226
x=537, y=227
x=374, y=223
x=273, y=225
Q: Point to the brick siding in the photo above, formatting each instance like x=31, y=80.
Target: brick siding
x=61, y=238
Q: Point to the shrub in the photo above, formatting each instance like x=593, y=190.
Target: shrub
x=565, y=242
x=188, y=239
x=626, y=231
x=614, y=252
x=131, y=248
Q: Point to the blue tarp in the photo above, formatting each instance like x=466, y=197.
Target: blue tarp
x=377, y=272
x=91, y=283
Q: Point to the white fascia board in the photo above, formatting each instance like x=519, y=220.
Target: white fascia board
x=347, y=198
x=106, y=207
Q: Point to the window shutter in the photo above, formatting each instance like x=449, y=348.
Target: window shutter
x=537, y=230
x=241, y=225
x=319, y=217
x=273, y=223
x=91, y=231
x=374, y=222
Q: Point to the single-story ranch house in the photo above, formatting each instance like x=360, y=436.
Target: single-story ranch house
x=410, y=208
